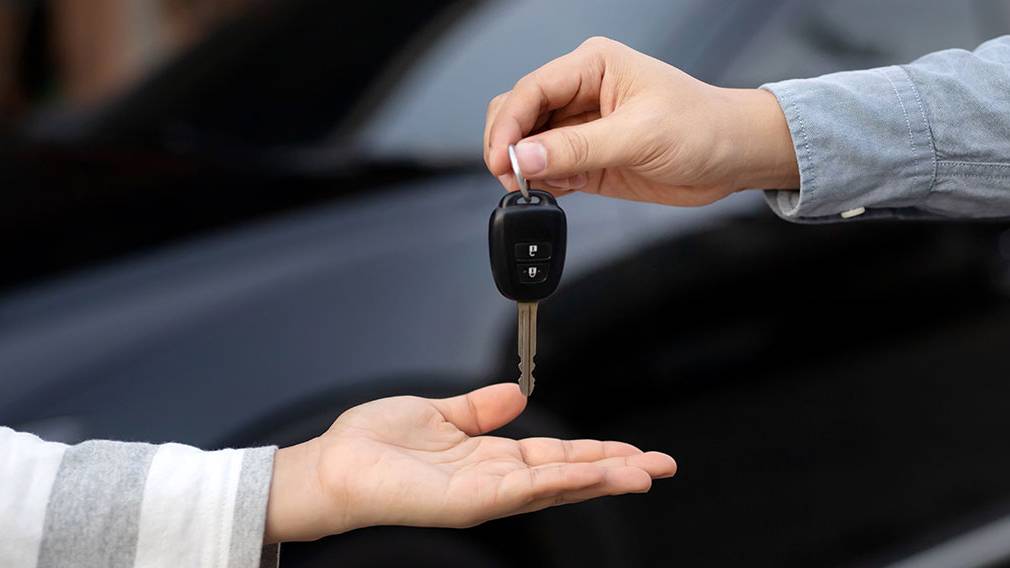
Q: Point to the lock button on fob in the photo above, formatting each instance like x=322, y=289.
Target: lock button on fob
x=533, y=273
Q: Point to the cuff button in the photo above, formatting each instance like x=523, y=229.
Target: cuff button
x=853, y=212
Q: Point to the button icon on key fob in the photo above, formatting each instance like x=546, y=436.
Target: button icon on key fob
x=533, y=273
x=533, y=251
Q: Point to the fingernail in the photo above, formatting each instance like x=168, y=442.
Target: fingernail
x=504, y=179
x=578, y=181
x=532, y=157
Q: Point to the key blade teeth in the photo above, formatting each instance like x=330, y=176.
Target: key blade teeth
x=532, y=346
x=527, y=345
x=526, y=381
x=526, y=387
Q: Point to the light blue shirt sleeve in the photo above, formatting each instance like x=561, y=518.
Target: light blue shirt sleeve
x=927, y=140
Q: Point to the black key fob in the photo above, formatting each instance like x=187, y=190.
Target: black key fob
x=527, y=243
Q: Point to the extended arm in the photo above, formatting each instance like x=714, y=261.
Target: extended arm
x=928, y=139
x=395, y=461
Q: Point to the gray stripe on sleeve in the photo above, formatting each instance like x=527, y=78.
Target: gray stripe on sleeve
x=251, y=511
x=93, y=514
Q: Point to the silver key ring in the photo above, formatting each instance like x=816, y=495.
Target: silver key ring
x=524, y=187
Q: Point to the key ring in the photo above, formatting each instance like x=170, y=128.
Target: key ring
x=524, y=187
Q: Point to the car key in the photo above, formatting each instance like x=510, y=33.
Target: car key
x=527, y=238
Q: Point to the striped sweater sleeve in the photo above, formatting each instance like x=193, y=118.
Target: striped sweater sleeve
x=116, y=504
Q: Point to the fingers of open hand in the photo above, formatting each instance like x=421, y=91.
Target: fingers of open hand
x=574, y=481
x=484, y=409
x=550, y=452
x=524, y=486
x=540, y=451
x=656, y=464
x=617, y=481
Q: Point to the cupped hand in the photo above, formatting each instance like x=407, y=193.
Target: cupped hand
x=609, y=120
x=426, y=462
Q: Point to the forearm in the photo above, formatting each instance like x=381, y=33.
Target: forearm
x=123, y=504
x=923, y=140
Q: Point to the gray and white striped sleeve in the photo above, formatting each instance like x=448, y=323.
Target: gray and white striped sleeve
x=117, y=504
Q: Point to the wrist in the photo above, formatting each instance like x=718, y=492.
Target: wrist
x=298, y=508
x=758, y=141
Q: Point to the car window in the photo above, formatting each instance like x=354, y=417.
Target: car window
x=806, y=39
x=212, y=77
x=437, y=109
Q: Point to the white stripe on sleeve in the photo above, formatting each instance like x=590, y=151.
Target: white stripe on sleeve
x=188, y=508
x=28, y=468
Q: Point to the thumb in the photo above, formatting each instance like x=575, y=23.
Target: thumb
x=484, y=409
x=572, y=150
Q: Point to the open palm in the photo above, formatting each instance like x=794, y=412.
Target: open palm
x=424, y=462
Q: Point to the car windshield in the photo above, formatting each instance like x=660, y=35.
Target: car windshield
x=437, y=110
x=402, y=81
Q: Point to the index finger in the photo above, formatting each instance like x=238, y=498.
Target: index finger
x=572, y=79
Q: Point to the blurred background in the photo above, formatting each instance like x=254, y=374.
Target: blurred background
x=222, y=222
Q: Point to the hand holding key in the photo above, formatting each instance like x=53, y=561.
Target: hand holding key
x=427, y=462
x=609, y=120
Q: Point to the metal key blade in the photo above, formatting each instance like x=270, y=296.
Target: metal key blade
x=527, y=345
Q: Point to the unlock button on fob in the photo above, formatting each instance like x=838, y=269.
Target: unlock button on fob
x=532, y=273
x=533, y=251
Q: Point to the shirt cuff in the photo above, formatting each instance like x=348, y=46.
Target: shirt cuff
x=205, y=508
x=863, y=145
x=249, y=522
